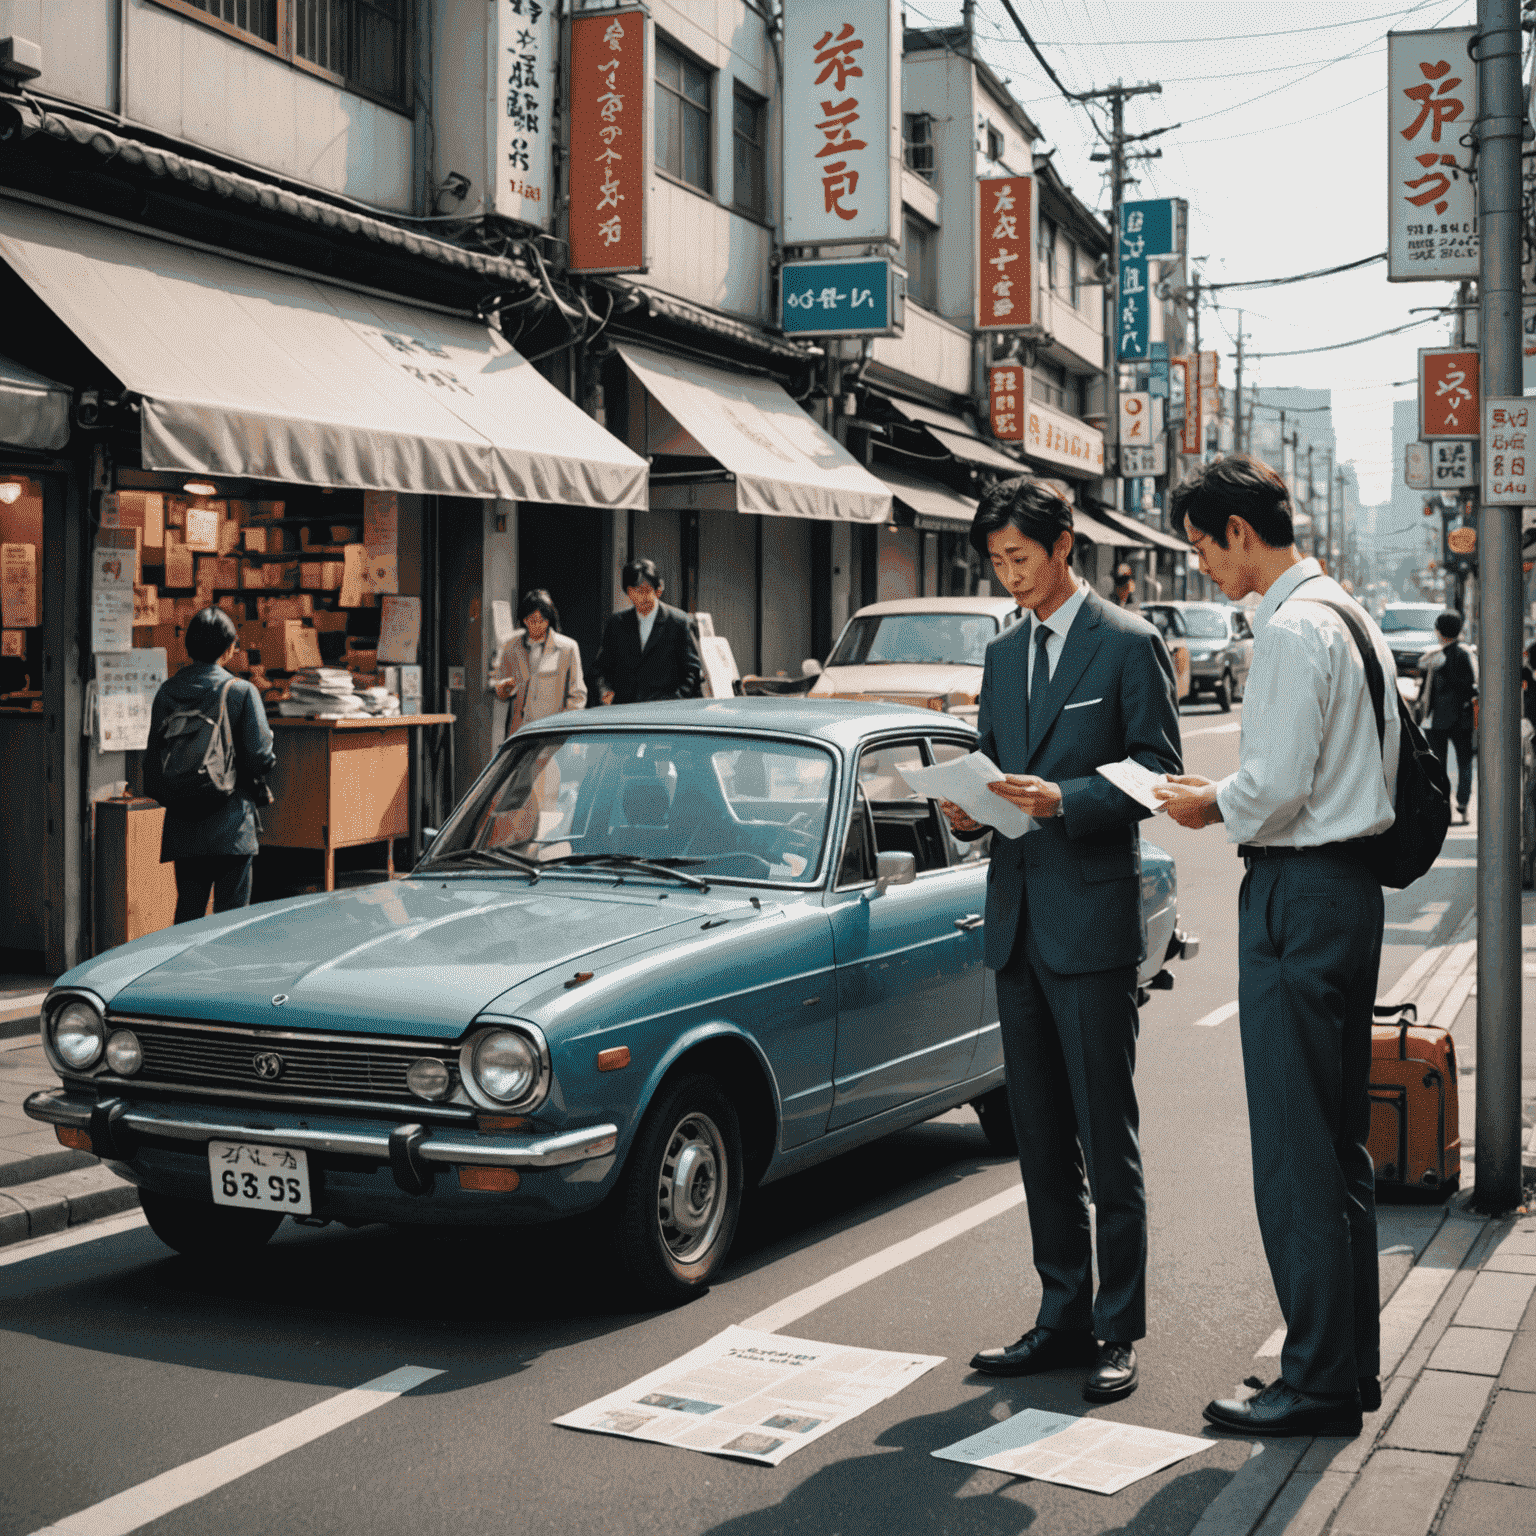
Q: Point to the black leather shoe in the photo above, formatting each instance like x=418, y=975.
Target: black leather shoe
x=1370, y=1394
x=1114, y=1374
x=1281, y=1410
x=1041, y=1349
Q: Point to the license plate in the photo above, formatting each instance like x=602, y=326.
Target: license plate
x=259, y=1178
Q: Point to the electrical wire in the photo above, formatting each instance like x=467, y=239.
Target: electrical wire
x=1338, y=345
x=1300, y=277
x=1236, y=37
x=1075, y=97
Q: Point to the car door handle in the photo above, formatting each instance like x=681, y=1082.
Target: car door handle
x=970, y=921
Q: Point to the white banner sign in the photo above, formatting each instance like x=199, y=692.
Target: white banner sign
x=1452, y=463
x=1416, y=472
x=1063, y=440
x=1136, y=420
x=842, y=122
x=1431, y=198
x=1150, y=459
x=1509, y=452
x=520, y=48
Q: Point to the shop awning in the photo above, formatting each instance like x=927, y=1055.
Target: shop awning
x=1153, y=536
x=783, y=463
x=275, y=376
x=933, y=508
x=930, y=416
x=34, y=411
x=973, y=451
x=1096, y=532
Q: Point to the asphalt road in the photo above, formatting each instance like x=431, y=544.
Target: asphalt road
x=123, y=1364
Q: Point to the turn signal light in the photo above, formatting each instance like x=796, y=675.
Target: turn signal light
x=489, y=1125
x=497, y=1180
x=612, y=1060
x=73, y=1136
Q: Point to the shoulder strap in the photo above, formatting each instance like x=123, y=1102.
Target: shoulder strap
x=1369, y=659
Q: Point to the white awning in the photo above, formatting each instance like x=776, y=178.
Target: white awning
x=1153, y=536
x=973, y=451
x=930, y=416
x=934, y=508
x=784, y=464
x=1087, y=526
x=34, y=411
x=273, y=376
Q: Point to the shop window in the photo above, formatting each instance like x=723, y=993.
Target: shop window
x=749, y=135
x=258, y=17
x=917, y=143
x=682, y=118
x=920, y=256
x=21, y=543
x=1053, y=385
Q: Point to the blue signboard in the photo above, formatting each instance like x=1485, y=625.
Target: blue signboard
x=1149, y=231
x=1154, y=225
x=1157, y=379
x=840, y=298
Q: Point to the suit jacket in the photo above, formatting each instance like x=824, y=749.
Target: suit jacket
x=1077, y=877
x=669, y=668
x=557, y=685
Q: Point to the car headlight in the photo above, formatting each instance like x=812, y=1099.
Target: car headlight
x=78, y=1035
x=428, y=1079
x=505, y=1067
x=124, y=1054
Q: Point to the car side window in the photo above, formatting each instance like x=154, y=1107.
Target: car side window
x=904, y=822
x=960, y=851
x=857, y=866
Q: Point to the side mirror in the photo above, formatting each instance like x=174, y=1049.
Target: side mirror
x=428, y=837
x=810, y=667
x=893, y=869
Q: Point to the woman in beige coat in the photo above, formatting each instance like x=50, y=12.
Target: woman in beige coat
x=539, y=669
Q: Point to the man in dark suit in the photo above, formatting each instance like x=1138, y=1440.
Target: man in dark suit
x=1450, y=687
x=648, y=651
x=1079, y=684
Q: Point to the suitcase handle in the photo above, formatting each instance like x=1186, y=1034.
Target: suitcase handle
x=1388, y=1010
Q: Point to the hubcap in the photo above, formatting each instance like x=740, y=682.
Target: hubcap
x=691, y=1192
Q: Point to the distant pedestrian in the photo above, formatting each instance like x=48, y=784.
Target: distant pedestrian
x=1313, y=778
x=538, y=668
x=1445, y=704
x=648, y=650
x=207, y=716
x=1125, y=589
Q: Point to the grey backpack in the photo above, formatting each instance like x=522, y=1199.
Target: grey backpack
x=196, y=755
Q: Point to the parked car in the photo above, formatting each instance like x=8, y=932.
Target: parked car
x=658, y=954
x=1170, y=625
x=1410, y=631
x=1220, y=642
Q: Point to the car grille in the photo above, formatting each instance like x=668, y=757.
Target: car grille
x=280, y=1065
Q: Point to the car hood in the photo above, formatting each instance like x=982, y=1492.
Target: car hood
x=1411, y=639
x=415, y=957
x=901, y=678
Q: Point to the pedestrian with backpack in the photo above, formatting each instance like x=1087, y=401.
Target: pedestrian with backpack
x=1322, y=817
x=210, y=750
x=1446, y=703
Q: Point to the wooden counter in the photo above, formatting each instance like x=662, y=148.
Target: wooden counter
x=343, y=783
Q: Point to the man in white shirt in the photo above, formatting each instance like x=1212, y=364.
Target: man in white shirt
x=1314, y=776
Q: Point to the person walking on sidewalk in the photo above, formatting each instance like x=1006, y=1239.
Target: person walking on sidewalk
x=1079, y=684
x=1313, y=776
x=648, y=650
x=1445, y=710
x=538, y=668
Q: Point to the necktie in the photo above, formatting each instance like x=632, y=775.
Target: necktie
x=1042, y=674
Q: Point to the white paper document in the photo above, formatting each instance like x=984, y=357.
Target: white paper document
x=965, y=781
x=760, y=1396
x=1095, y=1454
x=1136, y=780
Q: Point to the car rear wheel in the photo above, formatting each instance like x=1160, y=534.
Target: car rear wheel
x=997, y=1122
x=1223, y=692
x=681, y=1192
x=202, y=1230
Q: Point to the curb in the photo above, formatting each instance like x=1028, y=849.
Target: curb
x=62, y=1200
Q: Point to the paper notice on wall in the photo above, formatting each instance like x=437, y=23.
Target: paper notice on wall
x=354, y=576
x=759, y=1396
x=381, y=539
x=135, y=676
x=112, y=582
x=13, y=642
x=18, y=585
x=203, y=529
x=122, y=722
x=964, y=782
x=720, y=671
x=1095, y=1454
x=399, y=629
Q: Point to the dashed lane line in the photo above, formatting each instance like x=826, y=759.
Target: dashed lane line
x=1217, y=1016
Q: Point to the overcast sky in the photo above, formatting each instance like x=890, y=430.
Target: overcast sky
x=1282, y=157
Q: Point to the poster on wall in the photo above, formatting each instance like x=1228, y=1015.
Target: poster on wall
x=18, y=586
x=520, y=51
x=381, y=532
x=113, y=569
x=126, y=684
x=399, y=629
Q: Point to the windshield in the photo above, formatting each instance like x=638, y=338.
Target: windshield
x=1206, y=623
x=1169, y=621
x=925, y=638
x=720, y=807
x=1420, y=616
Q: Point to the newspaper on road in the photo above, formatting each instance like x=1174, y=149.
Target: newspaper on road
x=755, y=1395
x=1136, y=780
x=1095, y=1454
x=965, y=781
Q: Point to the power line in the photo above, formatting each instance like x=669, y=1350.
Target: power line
x=1300, y=277
x=1358, y=340
x=1236, y=37
x=1040, y=58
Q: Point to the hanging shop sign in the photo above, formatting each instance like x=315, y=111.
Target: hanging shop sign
x=1431, y=197
x=1509, y=452
x=1062, y=440
x=1185, y=371
x=1007, y=220
x=1150, y=459
x=842, y=122
x=1448, y=392
x=1148, y=232
x=1462, y=541
x=521, y=99
x=1157, y=374
x=1416, y=471
x=1136, y=419
x=1452, y=463
x=610, y=140
x=1007, y=384
x=862, y=297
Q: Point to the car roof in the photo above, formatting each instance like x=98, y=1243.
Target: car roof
x=840, y=722
x=998, y=606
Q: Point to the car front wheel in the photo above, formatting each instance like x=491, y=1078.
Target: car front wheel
x=1223, y=692
x=681, y=1192
x=202, y=1230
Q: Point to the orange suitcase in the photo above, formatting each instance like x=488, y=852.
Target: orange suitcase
x=1415, y=1140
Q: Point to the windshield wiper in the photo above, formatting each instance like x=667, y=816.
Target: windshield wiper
x=669, y=865
x=502, y=857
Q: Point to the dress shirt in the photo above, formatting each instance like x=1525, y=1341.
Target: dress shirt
x=1311, y=767
x=647, y=624
x=535, y=655
x=1058, y=624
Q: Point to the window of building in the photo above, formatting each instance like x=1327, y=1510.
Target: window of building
x=994, y=143
x=1053, y=385
x=917, y=143
x=363, y=45
x=1048, y=253
x=682, y=118
x=749, y=132
x=920, y=256
x=1074, y=273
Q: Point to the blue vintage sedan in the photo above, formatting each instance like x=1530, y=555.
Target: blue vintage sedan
x=659, y=953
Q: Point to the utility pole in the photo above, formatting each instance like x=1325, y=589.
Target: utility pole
x=1328, y=536
x=1338, y=475
x=1311, y=499
x=1499, y=130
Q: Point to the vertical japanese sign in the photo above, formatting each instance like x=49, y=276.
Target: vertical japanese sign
x=842, y=122
x=1007, y=214
x=1148, y=232
x=1448, y=392
x=610, y=140
x=521, y=56
x=1186, y=380
x=1210, y=395
x=1509, y=453
x=1416, y=466
x=1136, y=420
x=1431, y=198
x=1005, y=393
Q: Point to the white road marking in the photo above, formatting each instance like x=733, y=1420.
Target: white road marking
x=1217, y=1016
x=1430, y=914
x=1271, y=1347
x=20, y=1043
x=16, y=1001
x=108, y=1226
x=792, y=1308
x=1215, y=730
x=1455, y=864
x=134, y=1507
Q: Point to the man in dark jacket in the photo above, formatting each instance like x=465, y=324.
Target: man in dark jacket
x=648, y=651
x=1450, y=686
x=213, y=852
